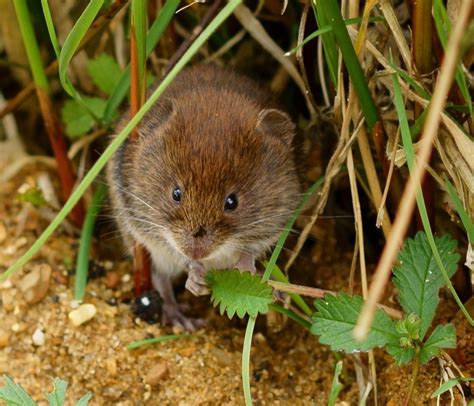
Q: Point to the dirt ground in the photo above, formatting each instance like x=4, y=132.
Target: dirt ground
x=288, y=366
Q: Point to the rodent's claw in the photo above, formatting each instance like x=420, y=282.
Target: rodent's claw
x=171, y=315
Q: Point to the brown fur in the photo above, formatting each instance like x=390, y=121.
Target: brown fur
x=212, y=133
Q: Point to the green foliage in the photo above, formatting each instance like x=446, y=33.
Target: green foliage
x=77, y=118
x=239, y=293
x=336, y=386
x=450, y=384
x=105, y=72
x=418, y=278
x=32, y=195
x=443, y=336
x=336, y=317
x=13, y=394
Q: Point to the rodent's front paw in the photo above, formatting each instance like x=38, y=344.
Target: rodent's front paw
x=196, y=285
x=195, y=282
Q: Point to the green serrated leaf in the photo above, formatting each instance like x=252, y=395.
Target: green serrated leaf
x=58, y=395
x=418, y=277
x=14, y=394
x=402, y=355
x=443, y=336
x=239, y=293
x=336, y=317
x=77, y=118
x=105, y=72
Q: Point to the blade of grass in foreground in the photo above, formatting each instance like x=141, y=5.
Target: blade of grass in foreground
x=153, y=36
x=333, y=13
x=82, y=264
x=268, y=270
x=115, y=144
x=72, y=42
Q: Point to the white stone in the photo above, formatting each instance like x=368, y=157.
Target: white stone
x=38, y=337
x=83, y=313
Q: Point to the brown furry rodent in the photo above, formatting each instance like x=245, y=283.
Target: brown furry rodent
x=210, y=181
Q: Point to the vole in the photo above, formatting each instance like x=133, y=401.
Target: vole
x=209, y=183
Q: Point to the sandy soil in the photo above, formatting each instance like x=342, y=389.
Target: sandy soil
x=288, y=366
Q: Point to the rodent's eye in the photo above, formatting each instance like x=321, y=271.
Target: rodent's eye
x=176, y=195
x=231, y=202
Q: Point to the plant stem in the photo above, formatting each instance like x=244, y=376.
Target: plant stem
x=414, y=375
x=423, y=60
x=141, y=257
x=53, y=128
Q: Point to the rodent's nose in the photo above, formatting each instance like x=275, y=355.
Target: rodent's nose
x=199, y=232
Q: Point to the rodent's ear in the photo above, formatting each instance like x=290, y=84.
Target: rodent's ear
x=276, y=123
x=157, y=117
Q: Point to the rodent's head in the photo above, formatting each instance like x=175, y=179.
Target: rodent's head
x=210, y=181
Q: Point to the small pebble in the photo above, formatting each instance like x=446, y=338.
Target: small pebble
x=35, y=284
x=4, y=338
x=187, y=351
x=16, y=328
x=8, y=299
x=156, y=373
x=108, y=265
x=111, y=366
x=38, y=337
x=3, y=232
x=6, y=284
x=126, y=278
x=83, y=313
x=112, y=280
x=74, y=304
x=222, y=357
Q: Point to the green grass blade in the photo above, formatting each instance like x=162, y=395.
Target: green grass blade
x=417, y=87
x=466, y=221
x=141, y=343
x=336, y=386
x=333, y=13
x=82, y=265
x=31, y=45
x=72, y=42
x=50, y=25
x=284, y=235
x=115, y=144
x=328, y=28
x=153, y=36
x=410, y=155
x=266, y=275
x=290, y=314
x=329, y=42
x=280, y=277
